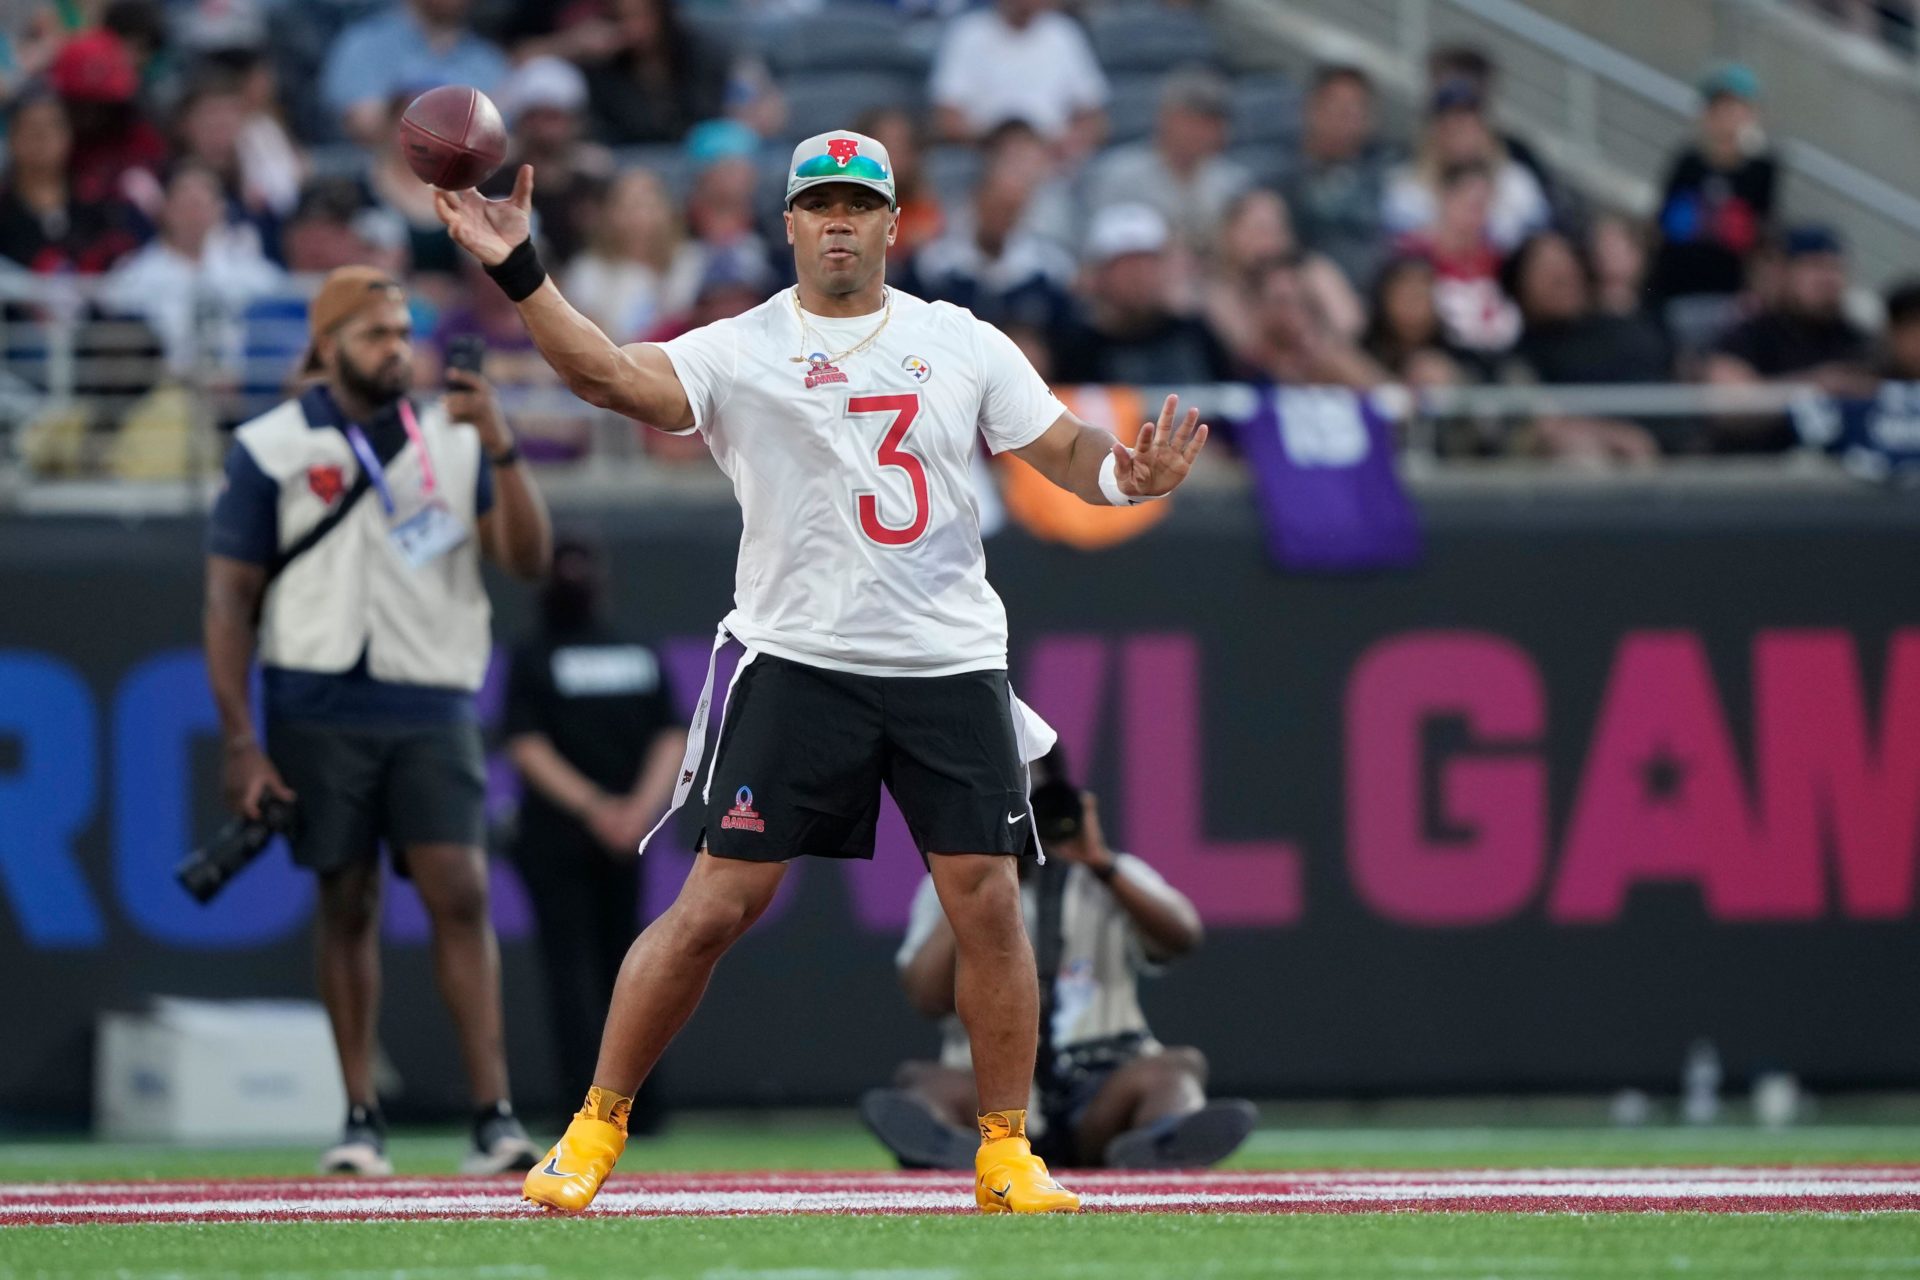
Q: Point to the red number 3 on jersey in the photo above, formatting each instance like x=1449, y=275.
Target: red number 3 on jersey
x=904, y=408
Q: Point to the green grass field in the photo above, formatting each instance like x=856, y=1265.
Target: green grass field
x=1432, y=1246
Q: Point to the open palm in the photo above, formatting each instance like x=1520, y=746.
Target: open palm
x=489, y=229
x=1163, y=454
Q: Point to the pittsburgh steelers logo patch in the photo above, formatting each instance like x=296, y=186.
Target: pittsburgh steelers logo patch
x=917, y=369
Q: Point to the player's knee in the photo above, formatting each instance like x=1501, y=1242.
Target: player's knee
x=461, y=904
x=1188, y=1061
x=711, y=924
x=350, y=910
x=982, y=891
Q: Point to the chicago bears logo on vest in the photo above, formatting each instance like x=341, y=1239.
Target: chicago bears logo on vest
x=327, y=483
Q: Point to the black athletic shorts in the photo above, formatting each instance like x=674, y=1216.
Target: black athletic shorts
x=803, y=752
x=357, y=785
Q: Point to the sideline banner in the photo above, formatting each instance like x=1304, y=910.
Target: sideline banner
x=1582, y=788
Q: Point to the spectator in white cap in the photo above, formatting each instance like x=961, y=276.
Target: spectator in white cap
x=545, y=103
x=1183, y=171
x=1020, y=60
x=1128, y=331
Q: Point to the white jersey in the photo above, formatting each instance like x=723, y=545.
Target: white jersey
x=861, y=550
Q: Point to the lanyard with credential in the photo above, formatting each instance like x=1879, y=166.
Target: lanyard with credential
x=377, y=474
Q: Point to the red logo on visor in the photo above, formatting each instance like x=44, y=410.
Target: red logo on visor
x=327, y=483
x=843, y=149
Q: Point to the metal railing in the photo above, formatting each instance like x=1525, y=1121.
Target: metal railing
x=1610, y=119
x=96, y=415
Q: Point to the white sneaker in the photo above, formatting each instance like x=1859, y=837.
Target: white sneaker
x=362, y=1149
x=500, y=1145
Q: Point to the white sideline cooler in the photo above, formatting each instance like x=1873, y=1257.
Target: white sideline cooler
x=218, y=1071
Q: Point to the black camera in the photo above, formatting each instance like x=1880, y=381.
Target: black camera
x=205, y=872
x=1055, y=800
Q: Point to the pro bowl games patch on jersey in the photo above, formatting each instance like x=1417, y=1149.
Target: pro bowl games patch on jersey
x=917, y=369
x=743, y=816
x=820, y=371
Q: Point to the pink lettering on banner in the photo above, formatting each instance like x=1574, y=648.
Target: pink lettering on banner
x=1495, y=800
x=1661, y=798
x=1825, y=782
x=1255, y=882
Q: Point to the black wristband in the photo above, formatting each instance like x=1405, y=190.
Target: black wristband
x=506, y=457
x=520, y=274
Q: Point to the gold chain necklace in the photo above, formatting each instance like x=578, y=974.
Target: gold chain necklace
x=800, y=314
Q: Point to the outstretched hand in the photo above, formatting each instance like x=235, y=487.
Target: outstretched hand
x=1162, y=456
x=489, y=229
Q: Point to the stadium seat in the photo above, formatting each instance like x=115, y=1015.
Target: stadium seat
x=952, y=172
x=665, y=161
x=868, y=37
x=738, y=29
x=340, y=160
x=817, y=101
x=1131, y=110
x=1265, y=161
x=300, y=36
x=1266, y=109
x=1150, y=38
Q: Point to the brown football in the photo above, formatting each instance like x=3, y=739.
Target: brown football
x=453, y=137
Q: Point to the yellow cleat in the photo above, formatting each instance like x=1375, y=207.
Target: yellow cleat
x=1009, y=1178
x=570, y=1176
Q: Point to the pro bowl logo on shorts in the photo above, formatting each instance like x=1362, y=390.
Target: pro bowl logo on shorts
x=917, y=369
x=743, y=816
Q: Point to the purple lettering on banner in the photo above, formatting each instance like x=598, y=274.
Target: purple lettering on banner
x=1251, y=883
x=503, y=783
x=882, y=891
x=403, y=919
x=512, y=913
x=1065, y=678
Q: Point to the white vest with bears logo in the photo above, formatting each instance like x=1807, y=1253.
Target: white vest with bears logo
x=354, y=592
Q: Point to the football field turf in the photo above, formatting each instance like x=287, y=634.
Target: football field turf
x=806, y=1199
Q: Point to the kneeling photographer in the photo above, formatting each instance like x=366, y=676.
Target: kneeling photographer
x=1108, y=1093
x=346, y=546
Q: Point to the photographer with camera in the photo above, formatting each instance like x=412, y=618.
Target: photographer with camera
x=346, y=547
x=1108, y=1092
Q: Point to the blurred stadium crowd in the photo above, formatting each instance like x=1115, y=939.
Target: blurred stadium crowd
x=1892, y=22
x=1094, y=178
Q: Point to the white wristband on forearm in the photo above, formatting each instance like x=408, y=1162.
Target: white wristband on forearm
x=1110, y=485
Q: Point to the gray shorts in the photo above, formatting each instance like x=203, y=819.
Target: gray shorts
x=360, y=784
